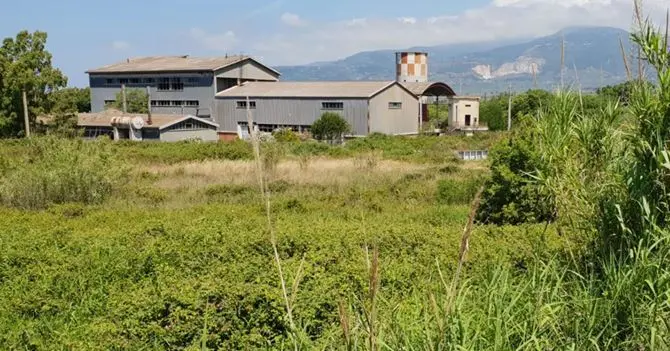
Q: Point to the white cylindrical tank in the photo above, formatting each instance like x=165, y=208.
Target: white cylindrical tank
x=411, y=67
x=128, y=122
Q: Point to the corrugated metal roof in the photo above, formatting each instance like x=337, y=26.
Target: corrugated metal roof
x=172, y=64
x=353, y=89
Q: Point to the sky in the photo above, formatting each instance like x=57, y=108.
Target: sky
x=89, y=34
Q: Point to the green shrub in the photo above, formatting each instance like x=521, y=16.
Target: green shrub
x=56, y=171
x=285, y=135
x=330, y=126
x=511, y=195
x=458, y=191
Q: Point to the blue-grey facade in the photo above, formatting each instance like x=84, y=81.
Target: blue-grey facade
x=180, y=92
x=297, y=113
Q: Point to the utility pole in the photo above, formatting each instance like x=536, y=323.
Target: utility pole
x=26, y=120
x=123, y=98
x=149, y=120
x=509, y=109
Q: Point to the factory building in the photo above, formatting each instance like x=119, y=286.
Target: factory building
x=369, y=107
x=181, y=85
x=210, y=92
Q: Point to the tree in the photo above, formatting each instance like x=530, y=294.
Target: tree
x=136, y=101
x=493, y=114
x=25, y=65
x=70, y=100
x=330, y=126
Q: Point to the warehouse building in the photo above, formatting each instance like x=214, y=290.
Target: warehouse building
x=369, y=107
x=181, y=85
x=142, y=127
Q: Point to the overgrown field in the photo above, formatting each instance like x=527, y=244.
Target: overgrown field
x=174, y=253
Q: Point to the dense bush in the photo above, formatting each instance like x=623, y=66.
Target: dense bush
x=285, y=135
x=330, y=126
x=511, y=195
x=458, y=192
x=58, y=171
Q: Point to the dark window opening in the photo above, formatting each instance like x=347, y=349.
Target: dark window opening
x=123, y=80
x=109, y=81
x=148, y=80
x=332, y=105
x=135, y=81
x=468, y=105
x=243, y=104
x=395, y=105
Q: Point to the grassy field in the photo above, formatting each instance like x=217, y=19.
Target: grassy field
x=178, y=255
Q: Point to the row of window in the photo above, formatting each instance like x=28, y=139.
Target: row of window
x=324, y=105
x=164, y=84
x=175, y=103
x=269, y=128
x=167, y=103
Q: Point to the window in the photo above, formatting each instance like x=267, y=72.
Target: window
x=243, y=104
x=193, y=80
x=109, y=102
x=395, y=105
x=163, y=103
x=164, y=84
x=177, y=103
x=192, y=103
x=332, y=105
x=148, y=80
x=135, y=80
x=177, y=85
x=109, y=81
x=468, y=105
x=123, y=80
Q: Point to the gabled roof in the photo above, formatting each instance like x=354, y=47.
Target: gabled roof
x=174, y=64
x=429, y=89
x=186, y=118
x=160, y=121
x=350, y=89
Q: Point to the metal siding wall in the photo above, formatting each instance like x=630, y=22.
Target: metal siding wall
x=290, y=112
x=179, y=135
x=390, y=121
x=201, y=90
x=250, y=70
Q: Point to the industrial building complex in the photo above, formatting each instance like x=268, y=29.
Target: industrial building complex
x=208, y=99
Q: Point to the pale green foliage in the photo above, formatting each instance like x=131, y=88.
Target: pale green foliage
x=56, y=171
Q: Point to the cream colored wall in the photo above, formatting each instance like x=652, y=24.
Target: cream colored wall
x=394, y=121
x=458, y=109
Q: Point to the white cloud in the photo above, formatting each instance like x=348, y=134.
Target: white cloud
x=500, y=19
x=223, y=42
x=120, y=45
x=291, y=19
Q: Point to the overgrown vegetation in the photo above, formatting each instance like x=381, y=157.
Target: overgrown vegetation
x=359, y=246
x=330, y=126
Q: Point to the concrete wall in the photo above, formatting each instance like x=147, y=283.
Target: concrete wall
x=394, y=121
x=290, y=111
x=197, y=86
x=179, y=135
x=459, y=108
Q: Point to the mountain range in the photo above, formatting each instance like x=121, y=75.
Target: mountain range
x=592, y=58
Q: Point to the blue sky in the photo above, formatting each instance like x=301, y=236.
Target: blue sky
x=88, y=34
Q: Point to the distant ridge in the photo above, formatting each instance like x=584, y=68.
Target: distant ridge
x=592, y=59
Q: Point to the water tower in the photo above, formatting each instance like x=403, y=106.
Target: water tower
x=411, y=67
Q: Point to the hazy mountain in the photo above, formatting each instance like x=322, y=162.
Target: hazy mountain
x=592, y=58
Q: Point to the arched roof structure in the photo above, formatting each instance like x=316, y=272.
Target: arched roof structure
x=429, y=89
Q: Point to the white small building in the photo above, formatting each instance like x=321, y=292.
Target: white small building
x=464, y=114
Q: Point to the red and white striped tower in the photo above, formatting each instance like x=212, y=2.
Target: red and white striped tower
x=411, y=67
